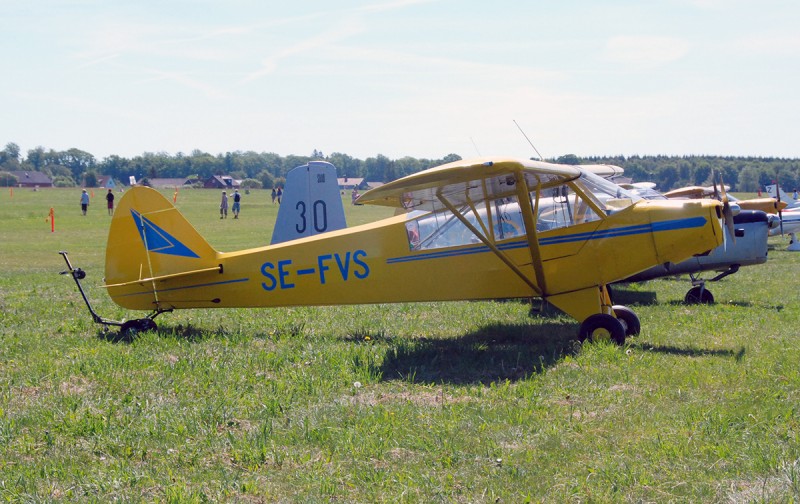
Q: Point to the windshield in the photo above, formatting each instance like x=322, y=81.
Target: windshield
x=608, y=195
x=647, y=193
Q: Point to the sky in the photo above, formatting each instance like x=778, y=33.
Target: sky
x=419, y=78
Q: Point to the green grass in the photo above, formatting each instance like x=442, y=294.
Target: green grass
x=432, y=402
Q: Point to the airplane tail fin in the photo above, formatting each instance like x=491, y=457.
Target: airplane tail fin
x=311, y=203
x=776, y=191
x=150, y=242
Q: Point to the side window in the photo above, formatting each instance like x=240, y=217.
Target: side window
x=412, y=230
x=438, y=230
x=443, y=229
x=508, y=221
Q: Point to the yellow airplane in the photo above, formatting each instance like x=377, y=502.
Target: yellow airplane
x=472, y=229
x=768, y=205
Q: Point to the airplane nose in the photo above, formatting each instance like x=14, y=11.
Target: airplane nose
x=688, y=228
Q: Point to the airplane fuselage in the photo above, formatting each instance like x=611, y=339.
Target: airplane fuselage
x=376, y=263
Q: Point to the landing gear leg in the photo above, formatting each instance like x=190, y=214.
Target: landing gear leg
x=699, y=295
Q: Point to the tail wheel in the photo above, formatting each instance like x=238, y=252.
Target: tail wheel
x=629, y=319
x=602, y=327
x=699, y=295
x=134, y=327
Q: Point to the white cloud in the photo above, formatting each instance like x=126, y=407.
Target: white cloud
x=337, y=33
x=645, y=51
x=397, y=4
x=773, y=45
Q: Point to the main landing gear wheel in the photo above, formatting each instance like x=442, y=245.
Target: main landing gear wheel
x=629, y=319
x=602, y=327
x=134, y=327
x=699, y=295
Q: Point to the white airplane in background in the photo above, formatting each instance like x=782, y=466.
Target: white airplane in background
x=789, y=216
x=745, y=245
x=777, y=193
x=789, y=224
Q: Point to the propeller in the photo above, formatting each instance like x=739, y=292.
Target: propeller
x=727, y=214
x=778, y=195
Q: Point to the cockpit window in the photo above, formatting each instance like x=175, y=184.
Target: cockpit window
x=585, y=199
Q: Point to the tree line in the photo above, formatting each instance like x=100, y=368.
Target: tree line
x=75, y=167
x=743, y=174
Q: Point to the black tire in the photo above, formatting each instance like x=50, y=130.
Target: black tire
x=134, y=327
x=699, y=295
x=600, y=327
x=629, y=319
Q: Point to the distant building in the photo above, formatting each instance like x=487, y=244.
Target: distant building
x=160, y=183
x=32, y=179
x=106, y=182
x=221, y=182
x=348, y=183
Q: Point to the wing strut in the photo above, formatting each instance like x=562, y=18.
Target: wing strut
x=528, y=213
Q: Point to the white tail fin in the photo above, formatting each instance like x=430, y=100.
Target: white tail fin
x=311, y=203
x=773, y=191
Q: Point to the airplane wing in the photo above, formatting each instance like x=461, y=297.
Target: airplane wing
x=604, y=170
x=690, y=192
x=466, y=181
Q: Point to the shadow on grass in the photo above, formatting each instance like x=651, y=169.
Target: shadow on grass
x=115, y=336
x=749, y=304
x=688, y=351
x=494, y=353
x=187, y=332
x=739, y=304
x=622, y=295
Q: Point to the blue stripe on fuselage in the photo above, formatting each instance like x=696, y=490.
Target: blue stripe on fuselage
x=604, y=234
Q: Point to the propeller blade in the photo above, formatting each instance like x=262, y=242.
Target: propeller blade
x=727, y=213
x=778, y=195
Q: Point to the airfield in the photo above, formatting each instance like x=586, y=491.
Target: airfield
x=442, y=402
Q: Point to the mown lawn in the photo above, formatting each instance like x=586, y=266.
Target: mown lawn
x=432, y=402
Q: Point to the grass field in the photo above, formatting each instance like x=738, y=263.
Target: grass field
x=434, y=402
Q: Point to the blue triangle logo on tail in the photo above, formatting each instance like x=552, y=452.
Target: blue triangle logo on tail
x=158, y=240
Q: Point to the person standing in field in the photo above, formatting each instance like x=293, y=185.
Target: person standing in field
x=84, y=201
x=236, y=199
x=274, y=195
x=223, y=206
x=110, y=200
